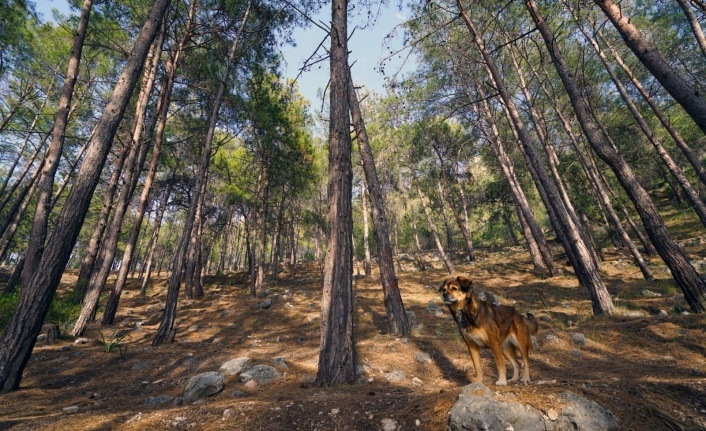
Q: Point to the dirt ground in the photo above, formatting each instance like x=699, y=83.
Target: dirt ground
x=648, y=369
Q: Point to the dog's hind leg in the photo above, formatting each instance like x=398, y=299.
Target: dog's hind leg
x=524, y=351
x=500, y=363
x=509, y=353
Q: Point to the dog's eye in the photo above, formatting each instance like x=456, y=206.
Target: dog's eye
x=453, y=288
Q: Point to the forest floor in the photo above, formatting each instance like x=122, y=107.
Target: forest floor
x=648, y=369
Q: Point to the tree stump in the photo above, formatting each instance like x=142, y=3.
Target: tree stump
x=52, y=333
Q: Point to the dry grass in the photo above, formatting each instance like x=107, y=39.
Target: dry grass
x=650, y=370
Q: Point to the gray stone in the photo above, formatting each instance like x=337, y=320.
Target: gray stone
x=267, y=303
x=155, y=401
x=70, y=409
x=411, y=318
x=238, y=394
x=585, y=414
x=234, y=366
x=262, y=374
x=650, y=294
x=477, y=409
x=203, y=385
x=423, y=358
x=140, y=366
x=396, y=376
x=280, y=364
x=578, y=338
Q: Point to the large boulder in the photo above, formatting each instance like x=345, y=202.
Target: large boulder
x=203, y=385
x=477, y=409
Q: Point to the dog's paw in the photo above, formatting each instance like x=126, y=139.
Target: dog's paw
x=501, y=383
x=525, y=380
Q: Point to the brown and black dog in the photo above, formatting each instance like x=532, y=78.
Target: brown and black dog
x=499, y=327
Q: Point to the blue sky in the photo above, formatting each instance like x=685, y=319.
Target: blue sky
x=368, y=48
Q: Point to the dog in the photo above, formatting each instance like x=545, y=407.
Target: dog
x=500, y=328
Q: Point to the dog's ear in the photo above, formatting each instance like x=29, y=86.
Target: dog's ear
x=441, y=287
x=464, y=282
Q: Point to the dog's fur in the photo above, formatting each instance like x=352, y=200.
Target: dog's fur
x=499, y=327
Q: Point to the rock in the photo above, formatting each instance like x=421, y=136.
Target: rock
x=267, y=303
x=578, y=338
x=634, y=313
x=423, y=357
x=477, y=409
x=586, y=414
x=416, y=381
x=396, y=376
x=228, y=413
x=140, y=366
x=663, y=313
x=251, y=384
x=411, y=318
x=308, y=379
x=552, y=338
x=234, y=366
x=238, y=394
x=388, y=424
x=70, y=409
x=650, y=294
x=280, y=364
x=264, y=294
x=262, y=374
x=82, y=340
x=203, y=385
x=155, y=401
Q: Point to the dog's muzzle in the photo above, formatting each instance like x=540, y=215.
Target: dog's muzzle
x=448, y=300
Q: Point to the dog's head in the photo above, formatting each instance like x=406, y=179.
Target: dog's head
x=456, y=290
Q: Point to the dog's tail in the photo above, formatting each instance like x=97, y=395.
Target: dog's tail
x=532, y=324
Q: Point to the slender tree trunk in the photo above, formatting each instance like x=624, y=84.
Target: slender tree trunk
x=337, y=358
x=672, y=166
x=38, y=233
x=579, y=252
x=277, y=234
x=394, y=307
x=9, y=233
x=166, y=331
x=432, y=227
x=366, y=228
x=543, y=260
x=687, y=278
x=20, y=178
x=694, y=24
x=152, y=244
x=21, y=333
x=24, y=94
x=681, y=143
x=676, y=84
x=19, y=200
x=466, y=225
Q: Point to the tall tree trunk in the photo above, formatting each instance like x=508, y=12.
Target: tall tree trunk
x=683, y=272
x=9, y=233
x=466, y=225
x=366, y=228
x=394, y=308
x=152, y=243
x=676, y=84
x=543, y=260
x=277, y=235
x=38, y=233
x=681, y=143
x=27, y=168
x=672, y=166
x=337, y=357
x=580, y=253
x=24, y=94
x=21, y=333
x=166, y=330
x=694, y=24
x=432, y=227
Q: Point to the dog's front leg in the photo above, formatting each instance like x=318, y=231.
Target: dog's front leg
x=475, y=357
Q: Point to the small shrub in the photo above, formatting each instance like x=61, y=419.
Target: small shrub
x=115, y=342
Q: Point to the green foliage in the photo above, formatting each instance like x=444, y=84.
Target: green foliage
x=114, y=342
x=8, y=304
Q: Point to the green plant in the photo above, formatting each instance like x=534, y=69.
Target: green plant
x=115, y=342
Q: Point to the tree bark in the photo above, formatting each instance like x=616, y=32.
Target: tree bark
x=337, y=356
x=23, y=328
x=432, y=227
x=38, y=233
x=166, y=330
x=672, y=80
x=394, y=308
x=694, y=24
x=683, y=272
x=152, y=243
x=580, y=253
